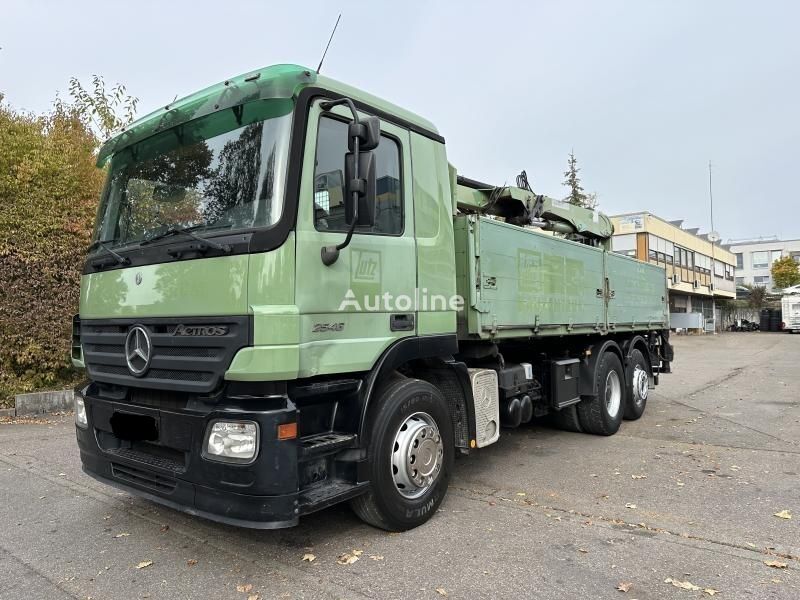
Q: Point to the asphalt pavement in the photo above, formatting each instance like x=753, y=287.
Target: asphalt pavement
x=680, y=504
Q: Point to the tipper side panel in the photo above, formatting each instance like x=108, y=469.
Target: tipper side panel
x=520, y=282
x=639, y=292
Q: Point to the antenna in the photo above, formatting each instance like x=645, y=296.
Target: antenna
x=321, y=60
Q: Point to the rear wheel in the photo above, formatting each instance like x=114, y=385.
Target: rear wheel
x=638, y=386
x=601, y=414
x=411, y=456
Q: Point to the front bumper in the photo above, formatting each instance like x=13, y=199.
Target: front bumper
x=171, y=470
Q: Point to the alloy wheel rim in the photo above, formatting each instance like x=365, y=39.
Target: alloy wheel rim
x=613, y=393
x=640, y=384
x=417, y=455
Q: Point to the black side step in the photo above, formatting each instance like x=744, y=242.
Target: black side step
x=329, y=493
x=324, y=443
x=566, y=403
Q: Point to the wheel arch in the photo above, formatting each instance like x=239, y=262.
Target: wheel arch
x=637, y=342
x=588, y=371
x=429, y=358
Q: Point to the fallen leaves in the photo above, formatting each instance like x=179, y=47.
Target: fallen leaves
x=684, y=585
x=348, y=558
x=638, y=476
x=308, y=557
x=775, y=564
x=630, y=505
x=624, y=586
x=244, y=588
x=255, y=596
x=376, y=557
x=123, y=534
x=191, y=562
x=784, y=514
x=144, y=564
x=441, y=591
x=688, y=585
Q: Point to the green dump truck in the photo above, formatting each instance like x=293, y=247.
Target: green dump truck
x=293, y=300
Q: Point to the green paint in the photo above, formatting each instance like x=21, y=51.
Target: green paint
x=203, y=287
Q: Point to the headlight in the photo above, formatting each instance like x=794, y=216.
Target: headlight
x=80, y=413
x=232, y=441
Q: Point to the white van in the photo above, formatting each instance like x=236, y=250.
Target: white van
x=790, y=305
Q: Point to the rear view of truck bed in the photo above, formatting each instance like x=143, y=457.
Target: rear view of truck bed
x=521, y=282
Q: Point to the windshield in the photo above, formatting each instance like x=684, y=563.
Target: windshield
x=222, y=172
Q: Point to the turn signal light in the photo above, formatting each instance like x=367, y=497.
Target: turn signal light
x=287, y=431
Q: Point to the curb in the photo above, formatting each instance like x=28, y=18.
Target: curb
x=38, y=403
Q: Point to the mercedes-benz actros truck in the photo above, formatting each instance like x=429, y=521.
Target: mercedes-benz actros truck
x=292, y=300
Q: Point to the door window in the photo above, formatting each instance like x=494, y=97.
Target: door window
x=329, y=182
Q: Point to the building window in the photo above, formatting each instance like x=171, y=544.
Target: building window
x=776, y=255
x=796, y=256
x=761, y=280
x=329, y=182
x=739, y=262
x=729, y=272
x=740, y=281
x=624, y=244
x=761, y=259
x=680, y=257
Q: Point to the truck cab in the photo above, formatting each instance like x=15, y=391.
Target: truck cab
x=270, y=318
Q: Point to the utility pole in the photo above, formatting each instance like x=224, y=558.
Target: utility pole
x=713, y=237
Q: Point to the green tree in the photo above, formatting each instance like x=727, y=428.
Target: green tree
x=577, y=195
x=757, y=297
x=785, y=272
x=104, y=111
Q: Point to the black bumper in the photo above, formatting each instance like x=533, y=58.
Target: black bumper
x=172, y=471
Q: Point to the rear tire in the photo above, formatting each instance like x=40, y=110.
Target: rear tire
x=411, y=454
x=638, y=383
x=601, y=414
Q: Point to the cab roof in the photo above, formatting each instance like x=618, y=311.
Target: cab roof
x=276, y=81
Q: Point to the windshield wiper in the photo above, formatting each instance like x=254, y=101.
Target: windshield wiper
x=190, y=232
x=120, y=260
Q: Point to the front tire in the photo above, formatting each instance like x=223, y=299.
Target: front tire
x=601, y=414
x=411, y=454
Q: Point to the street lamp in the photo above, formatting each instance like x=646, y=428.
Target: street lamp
x=713, y=237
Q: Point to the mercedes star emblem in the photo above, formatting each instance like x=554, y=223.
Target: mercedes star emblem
x=138, y=350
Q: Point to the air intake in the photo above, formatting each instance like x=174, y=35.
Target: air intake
x=487, y=406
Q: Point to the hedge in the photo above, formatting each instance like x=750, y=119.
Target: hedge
x=49, y=186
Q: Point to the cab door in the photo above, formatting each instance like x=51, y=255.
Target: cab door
x=354, y=309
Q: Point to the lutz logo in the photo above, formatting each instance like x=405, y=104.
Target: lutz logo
x=366, y=266
x=200, y=330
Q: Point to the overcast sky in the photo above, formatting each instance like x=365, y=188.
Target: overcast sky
x=645, y=92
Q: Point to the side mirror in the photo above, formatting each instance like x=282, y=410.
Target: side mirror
x=364, y=185
x=368, y=132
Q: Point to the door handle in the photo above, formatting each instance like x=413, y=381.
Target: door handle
x=401, y=322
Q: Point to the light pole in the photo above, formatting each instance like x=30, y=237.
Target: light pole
x=713, y=237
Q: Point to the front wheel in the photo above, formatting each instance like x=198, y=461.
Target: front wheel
x=411, y=455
